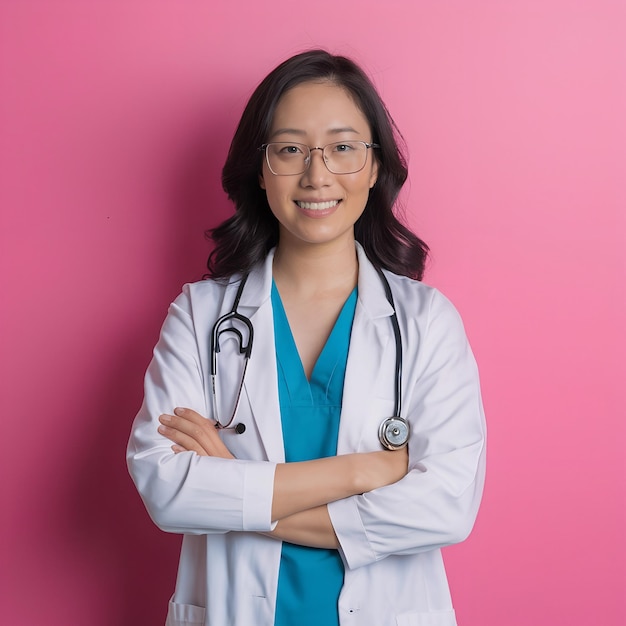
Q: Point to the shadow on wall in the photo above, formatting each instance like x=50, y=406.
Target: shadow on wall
x=108, y=533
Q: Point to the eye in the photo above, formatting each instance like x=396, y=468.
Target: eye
x=289, y=149
x=343, y=147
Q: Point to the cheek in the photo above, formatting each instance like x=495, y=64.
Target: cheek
x=276, y=187
x=362, y=185
x=276, y=194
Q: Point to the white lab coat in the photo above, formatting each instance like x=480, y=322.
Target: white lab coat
x=390, y=538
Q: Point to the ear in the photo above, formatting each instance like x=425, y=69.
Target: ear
x=261, y=181
x=374, y=172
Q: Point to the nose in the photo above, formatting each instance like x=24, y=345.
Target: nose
x=316, y=174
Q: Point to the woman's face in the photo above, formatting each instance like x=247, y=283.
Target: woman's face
x=318, y=207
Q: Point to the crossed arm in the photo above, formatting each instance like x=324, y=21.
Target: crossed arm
x=301, y=490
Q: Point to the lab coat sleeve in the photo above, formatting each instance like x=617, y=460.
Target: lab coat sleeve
x=187, y=493
x=436, y=503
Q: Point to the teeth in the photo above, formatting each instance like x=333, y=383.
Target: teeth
x=317, y=206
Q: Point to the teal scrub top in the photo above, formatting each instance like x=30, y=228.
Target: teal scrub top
x=310, y=579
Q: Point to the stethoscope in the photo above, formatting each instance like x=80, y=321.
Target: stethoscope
x=393, y=432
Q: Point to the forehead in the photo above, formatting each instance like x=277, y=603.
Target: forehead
x=318, y=107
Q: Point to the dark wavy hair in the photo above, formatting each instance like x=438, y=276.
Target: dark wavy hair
x=244, y=239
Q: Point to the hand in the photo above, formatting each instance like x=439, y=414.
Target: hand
x=192, y=432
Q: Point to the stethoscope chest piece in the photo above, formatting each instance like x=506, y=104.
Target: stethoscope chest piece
x=394, y=433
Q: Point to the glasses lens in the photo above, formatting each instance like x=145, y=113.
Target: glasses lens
x=345, y=157
x=285, y=159
x=341, y=157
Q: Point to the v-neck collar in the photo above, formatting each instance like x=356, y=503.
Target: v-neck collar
x=333, y=353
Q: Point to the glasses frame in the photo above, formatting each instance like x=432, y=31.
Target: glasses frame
x=308, y=159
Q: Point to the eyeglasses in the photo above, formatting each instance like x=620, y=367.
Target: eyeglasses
x=342, y=157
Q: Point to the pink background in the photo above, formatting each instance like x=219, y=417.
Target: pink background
x=115, y=119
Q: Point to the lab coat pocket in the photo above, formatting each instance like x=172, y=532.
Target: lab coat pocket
x=185, y=615
x=433, y=618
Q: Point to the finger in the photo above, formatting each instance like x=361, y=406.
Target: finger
x=176, y=448
x=199, y=427
x=182, y=440
x=192, y=426
x=192, y=416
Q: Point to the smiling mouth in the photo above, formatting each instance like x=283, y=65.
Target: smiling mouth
x=317, y=206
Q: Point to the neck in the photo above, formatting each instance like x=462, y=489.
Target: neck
x=315, y=268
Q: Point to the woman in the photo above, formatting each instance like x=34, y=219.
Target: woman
x=292, y=511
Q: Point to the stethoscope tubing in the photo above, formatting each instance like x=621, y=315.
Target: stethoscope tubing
x=393, y=432
x=245, y=349
x=397, y=408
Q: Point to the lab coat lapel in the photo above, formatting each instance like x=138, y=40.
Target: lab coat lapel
x=371, y=337
x=261, y=384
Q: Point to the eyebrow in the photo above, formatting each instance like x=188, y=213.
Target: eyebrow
x=302, y=133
